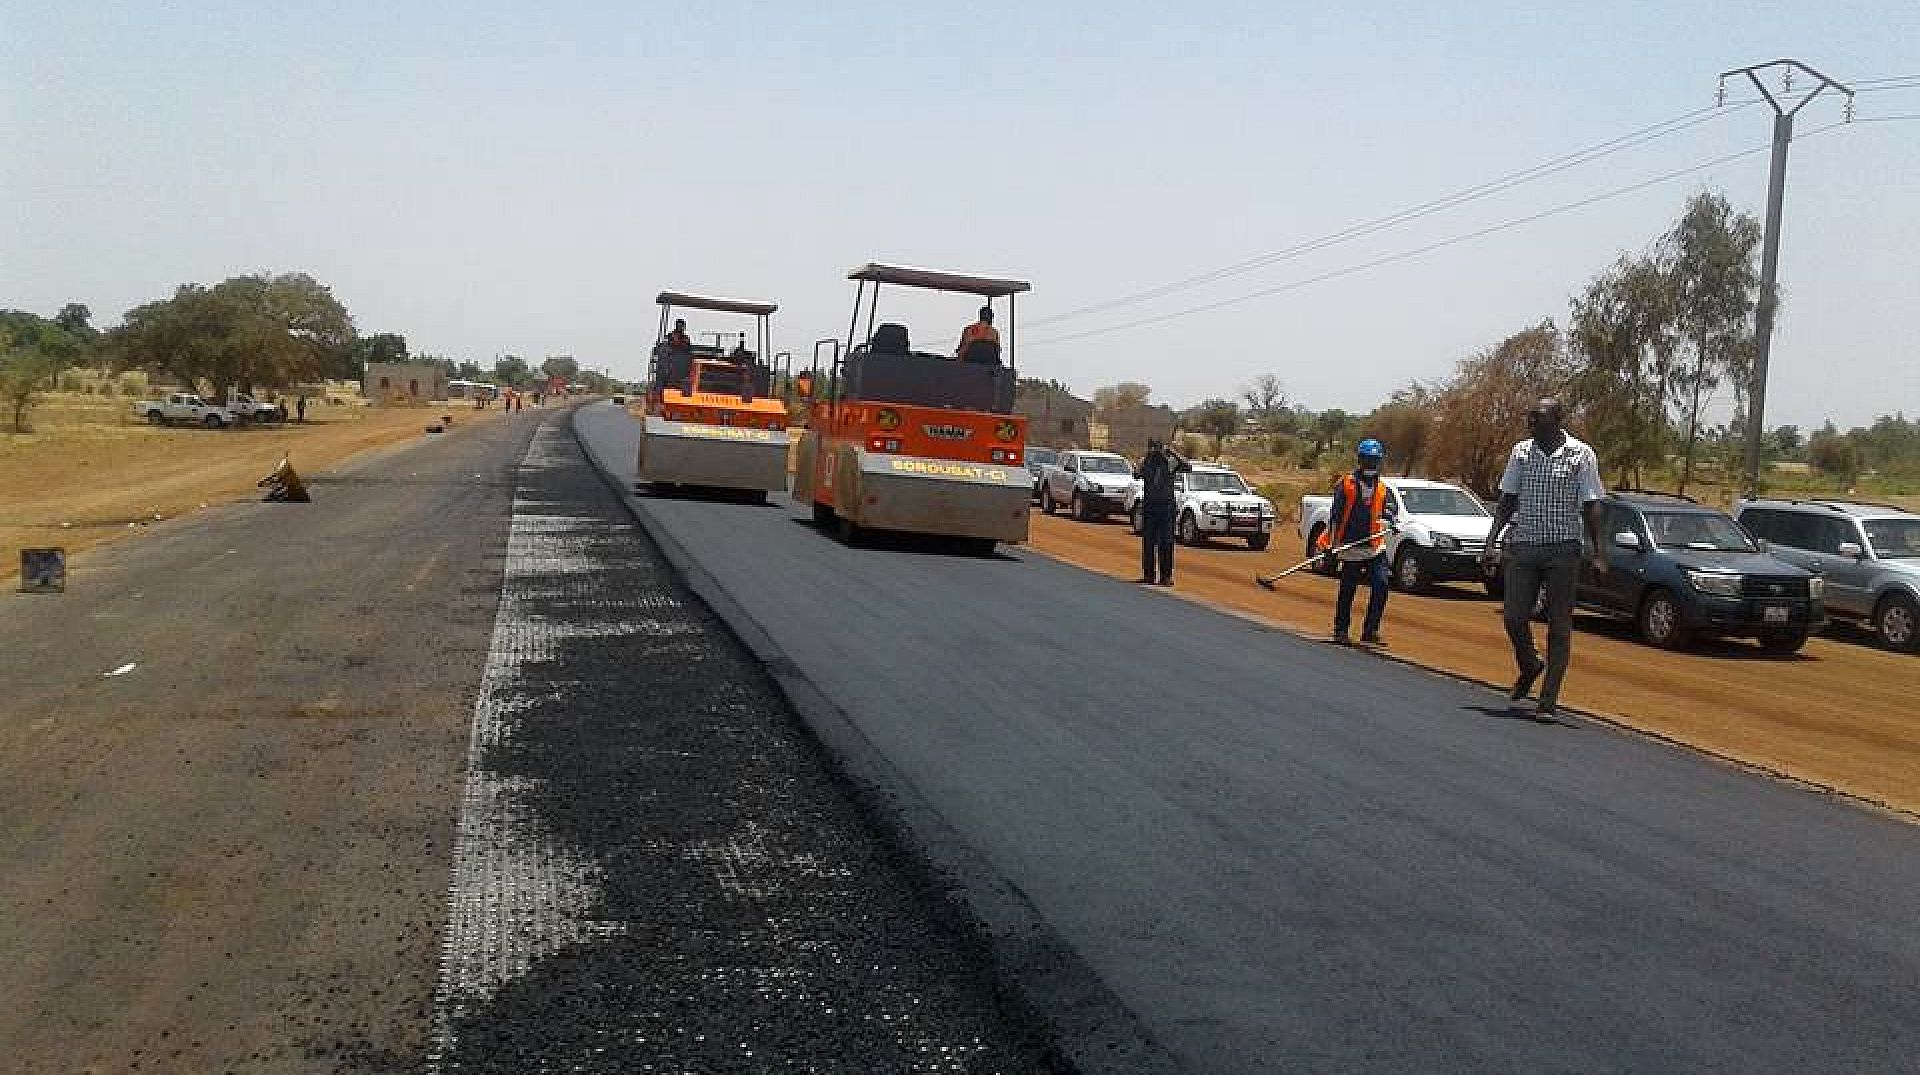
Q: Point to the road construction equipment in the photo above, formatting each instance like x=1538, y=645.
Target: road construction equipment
x=906, y=440
x=1268, y=580
x=712, y=419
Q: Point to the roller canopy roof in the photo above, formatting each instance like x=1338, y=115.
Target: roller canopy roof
x=729, y=306
x=989, y=286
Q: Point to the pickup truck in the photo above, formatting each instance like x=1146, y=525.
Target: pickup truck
x=183, y=408
x=1093, y=485
x=1442, y=530
x=1212, y=501
x=245, y=408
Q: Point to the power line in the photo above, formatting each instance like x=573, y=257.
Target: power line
x=1507, y=182
x=1406, y=255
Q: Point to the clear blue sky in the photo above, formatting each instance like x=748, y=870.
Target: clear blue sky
x=490, y=178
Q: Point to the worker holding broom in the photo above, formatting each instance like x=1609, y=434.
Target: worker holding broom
x=1361, y=516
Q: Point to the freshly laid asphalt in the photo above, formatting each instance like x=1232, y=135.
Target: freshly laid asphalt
x=1221, y=848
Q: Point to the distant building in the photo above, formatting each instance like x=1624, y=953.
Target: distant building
x=403, y=383
x=1055, y=419
x=1131, y=428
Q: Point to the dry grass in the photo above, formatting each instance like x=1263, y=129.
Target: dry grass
x=90, y=472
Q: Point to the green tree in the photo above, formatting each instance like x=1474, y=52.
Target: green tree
x=469, y=371
x=1217, y=418
x=1119, y=397
x=1405, y=429
x=1711, y=254
x=562, y=366
x=242, y=332
x=511, y=370
x=1621, y=335
x=1482, y=411
x=1834, y=455
x=33, y=351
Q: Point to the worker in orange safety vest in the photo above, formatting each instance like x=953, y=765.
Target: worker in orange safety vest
x=1362, y=514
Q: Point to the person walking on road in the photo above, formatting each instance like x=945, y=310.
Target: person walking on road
x=1361, y=516
x=1550, y=492
x=1156, y=471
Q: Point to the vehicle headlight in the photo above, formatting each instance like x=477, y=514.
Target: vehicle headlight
x=1214, y=508
x=1715, y=583
x=1445, y=541
x=1816, y=587
x=1266, y=510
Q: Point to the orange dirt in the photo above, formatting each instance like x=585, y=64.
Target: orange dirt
x=92, y=474
x=1840, y=715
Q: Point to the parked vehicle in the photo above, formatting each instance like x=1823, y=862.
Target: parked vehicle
x=1682, y=570
x=1212, y=501
x=180, y=408
x=1092, y=485
x=245, y=408
x=1442, y=530
x=1869, y=555
x=1039, y=462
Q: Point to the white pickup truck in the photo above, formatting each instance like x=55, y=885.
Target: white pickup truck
x=1442, y=530
x=183, y=407
x=1212, y=501
x=247, y=409
x=1092, y=485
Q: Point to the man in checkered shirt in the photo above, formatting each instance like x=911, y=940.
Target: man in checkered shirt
x=1550, y=492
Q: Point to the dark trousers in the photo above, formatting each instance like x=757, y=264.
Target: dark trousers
x=1156, y=541
x=1530, y=570
x=1351, y=572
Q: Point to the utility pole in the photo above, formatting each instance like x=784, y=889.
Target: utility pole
x=1770, y=244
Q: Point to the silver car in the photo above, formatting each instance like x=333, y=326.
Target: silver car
x=1868, y=553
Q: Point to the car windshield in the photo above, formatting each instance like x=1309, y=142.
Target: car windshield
x=1894, y=539
x=1213, y=482
x=1042, y=455
x=1701, y=530
x=1440, y=502
x=1094, y=464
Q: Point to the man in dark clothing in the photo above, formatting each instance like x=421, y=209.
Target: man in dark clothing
x=1156, y=471
x=300, y=402
x=1361, y=512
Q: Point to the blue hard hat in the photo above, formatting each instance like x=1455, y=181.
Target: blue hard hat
x=1372, y=449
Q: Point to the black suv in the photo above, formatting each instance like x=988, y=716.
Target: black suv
x=1681, y=570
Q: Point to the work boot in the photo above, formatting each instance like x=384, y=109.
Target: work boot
x=1371, y=638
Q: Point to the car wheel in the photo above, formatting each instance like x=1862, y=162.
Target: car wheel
x=1037, y=487
x=1259, y=542
x=1897, y=622
x=1496, y=586
x=1189, y=531
x=1046, y=500
x=1320, y=564
x=1660, y=621
x=1133, y=519
x=850, y=532
x=1408, y=573
x=156, y=418
x=1784, y=641
x=212, y=421
x=1077, y=507
x=823, y=514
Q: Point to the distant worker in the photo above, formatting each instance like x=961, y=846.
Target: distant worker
x=1550, y=489
x=1156, y=471
x=980, y=341
x=1361, y=516
x=740, y=355
x=677, y=339
x=300, y=403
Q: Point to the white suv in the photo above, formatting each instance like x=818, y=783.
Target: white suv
x=1092, y=484
x=1212, y=501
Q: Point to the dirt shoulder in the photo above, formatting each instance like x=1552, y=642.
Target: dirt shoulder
x=1838, y=715
x=92, y=475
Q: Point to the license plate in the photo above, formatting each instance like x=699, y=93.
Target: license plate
x=1775, y=613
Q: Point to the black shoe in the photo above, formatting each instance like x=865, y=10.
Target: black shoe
x=1525, y=681
x=1143, y=581
x=1339, y=638
x=1371, y=638
x=1547, y=714
x=1166, y=582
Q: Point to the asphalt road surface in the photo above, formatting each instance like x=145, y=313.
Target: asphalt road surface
x=443, y=772
x=1277, y=855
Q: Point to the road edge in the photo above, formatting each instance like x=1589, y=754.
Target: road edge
x=1092, y=1028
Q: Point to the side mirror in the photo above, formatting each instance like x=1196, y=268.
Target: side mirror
x=1852, y=548
x=1627, y=539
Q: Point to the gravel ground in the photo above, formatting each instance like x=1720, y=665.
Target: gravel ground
x=656, y=869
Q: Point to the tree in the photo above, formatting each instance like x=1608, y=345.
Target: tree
x=1217, y=418
x=1482, y=411
x=1266, y=400
x=511, y=370
x=1834, y=455
x=1786, y=441
x=33, y=351
x=1622, y=338
x=469, y=371
x=1715, y=285
x=561, y=366
x=1404, y=429
x=1119, y=397
x=74, y=319
x=1039, y=387
x=244, y=331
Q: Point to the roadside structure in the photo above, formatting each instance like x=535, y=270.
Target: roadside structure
x=1132, y=428
x=403, y=383
x=1055, y=418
